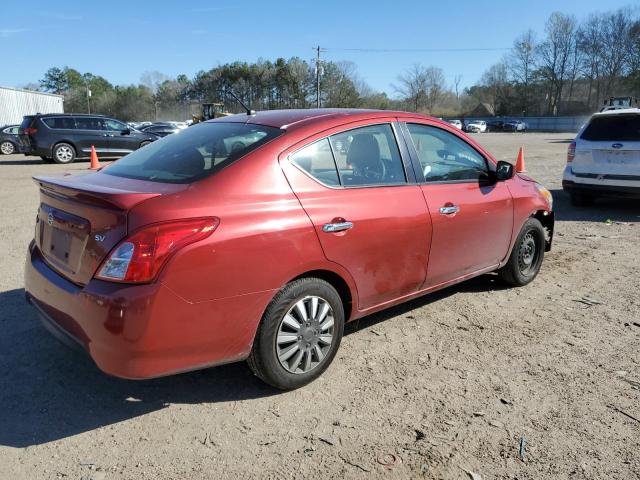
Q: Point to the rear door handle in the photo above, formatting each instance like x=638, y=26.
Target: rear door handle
x=336, y=227
x=449, y=210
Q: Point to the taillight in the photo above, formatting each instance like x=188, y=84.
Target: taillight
x=30, y=131
x=571, y=152
x=139, y=258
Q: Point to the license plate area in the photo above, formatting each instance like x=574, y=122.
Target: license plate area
x=60, y=245
x=617, y=157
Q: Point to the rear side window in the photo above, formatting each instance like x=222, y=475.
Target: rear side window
x=317, y=160
x=614, y=128
x=59, y=122
x=368, y=156
x=90, y=123
x=195, y=153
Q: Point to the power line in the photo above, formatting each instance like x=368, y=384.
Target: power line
x=415, y=50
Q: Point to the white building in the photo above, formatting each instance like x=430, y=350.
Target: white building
x=15, y=103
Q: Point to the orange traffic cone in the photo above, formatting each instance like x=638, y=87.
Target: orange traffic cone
x=520, y=168
x=95, y=163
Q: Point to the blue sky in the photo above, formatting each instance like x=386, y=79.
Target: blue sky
x=120, y=40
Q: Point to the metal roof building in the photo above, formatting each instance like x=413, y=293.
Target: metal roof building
x=15, y=103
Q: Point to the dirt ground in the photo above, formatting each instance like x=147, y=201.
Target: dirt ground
x=524, y=383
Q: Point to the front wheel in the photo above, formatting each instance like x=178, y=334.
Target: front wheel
x=7, y=148
x=299, y=334
x=64, y=153
x=526, y=257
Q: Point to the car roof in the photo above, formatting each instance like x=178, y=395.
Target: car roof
x=618, y=111
x=66, y=115
x=296, y=118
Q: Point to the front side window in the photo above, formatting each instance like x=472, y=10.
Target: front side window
x=446, y=157
x=196, y=153
x=114, y=125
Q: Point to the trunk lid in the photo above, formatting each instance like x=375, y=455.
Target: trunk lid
x=82, y=217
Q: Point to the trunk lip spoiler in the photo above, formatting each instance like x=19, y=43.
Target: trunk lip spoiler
x=73, y=186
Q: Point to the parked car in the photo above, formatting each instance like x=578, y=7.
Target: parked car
x=9, y=142
x=477, y=126
x=495, y=125
x=514, y=126
x=65, y=137
x=456, y=123
x=161, y=129
x=184, y=254
x=604, y=158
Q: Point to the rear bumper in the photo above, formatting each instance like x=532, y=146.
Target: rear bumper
x=142, y=331
x=626, y=186
x=605, y=190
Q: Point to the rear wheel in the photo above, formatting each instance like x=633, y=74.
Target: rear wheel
x=299, y=334
x=7, y=148
x=580, y=199
x=64, y=153
x=527, y=255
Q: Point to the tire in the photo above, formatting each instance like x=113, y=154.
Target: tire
x=145, y=143
x=7, y=148
x=301, y=354
x=580, y=199
x=64, y=153
x=527, y=255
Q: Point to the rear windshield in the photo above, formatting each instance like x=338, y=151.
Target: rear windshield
x=193, y=153
x=26, y=122
x=613, y=128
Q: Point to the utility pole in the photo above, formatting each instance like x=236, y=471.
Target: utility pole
x=88, y=95
x=318, y=76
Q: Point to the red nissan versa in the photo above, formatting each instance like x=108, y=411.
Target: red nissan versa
x=258, y=236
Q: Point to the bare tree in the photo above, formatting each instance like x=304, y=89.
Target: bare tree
x=616, y=48
x=556, y=56
x=422, y=87
x=589, y=42
x=496, y=83
x=456, y=85
x=413, y=86
x=521, y=63
x=153, y=80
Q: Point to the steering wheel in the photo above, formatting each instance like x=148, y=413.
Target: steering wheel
x=376, y=172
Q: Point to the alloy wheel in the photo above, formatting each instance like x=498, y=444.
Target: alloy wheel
x=305, y=335
x=64, y=154
x=7, y=148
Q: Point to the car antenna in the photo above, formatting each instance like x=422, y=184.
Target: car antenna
x=249, y=111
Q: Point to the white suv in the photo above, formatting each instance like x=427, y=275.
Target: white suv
x=477, y=126
x=604, y=159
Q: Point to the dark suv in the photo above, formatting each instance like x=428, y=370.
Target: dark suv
x=65, y=137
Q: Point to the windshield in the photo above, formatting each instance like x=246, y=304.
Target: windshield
x=613, y=128
x=192, y=154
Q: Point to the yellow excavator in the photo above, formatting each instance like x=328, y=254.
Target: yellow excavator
x=209, y=111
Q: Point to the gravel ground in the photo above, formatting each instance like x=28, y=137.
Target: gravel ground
x=524, y=383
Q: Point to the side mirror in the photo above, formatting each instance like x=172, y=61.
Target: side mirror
x=126, y=131
x=504, y=171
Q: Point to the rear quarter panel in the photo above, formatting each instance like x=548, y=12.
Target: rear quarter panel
x=264, y=238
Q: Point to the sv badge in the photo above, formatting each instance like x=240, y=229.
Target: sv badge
x=99, y=238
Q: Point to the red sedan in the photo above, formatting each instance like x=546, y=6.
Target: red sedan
x=258, y=236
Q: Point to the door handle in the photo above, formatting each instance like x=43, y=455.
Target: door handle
x=449, y=210
x=336, y=227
